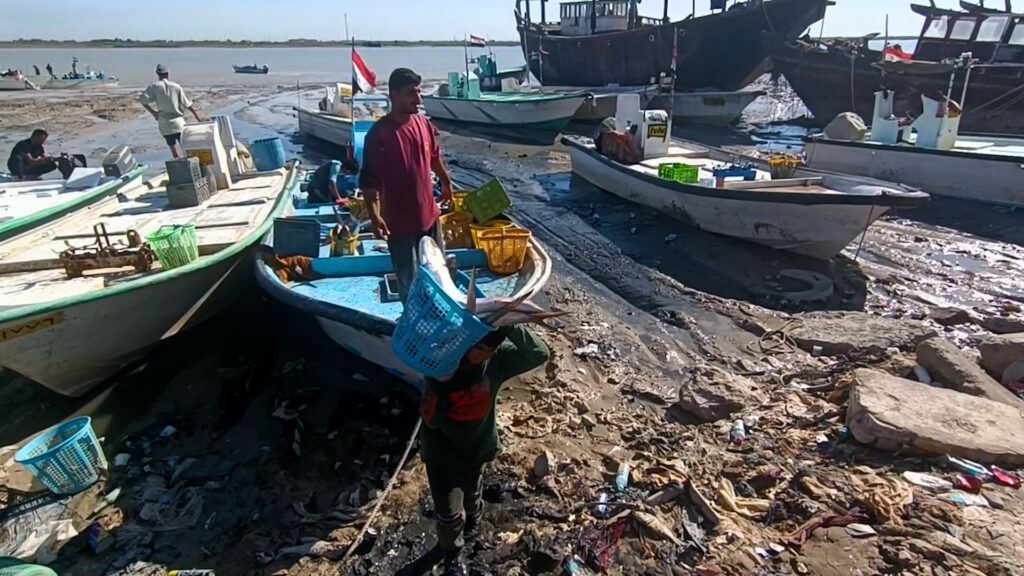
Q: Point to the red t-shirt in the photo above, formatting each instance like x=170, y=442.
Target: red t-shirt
x=396, y=161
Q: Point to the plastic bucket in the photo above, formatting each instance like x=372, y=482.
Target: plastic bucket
x=456, y=229
x=476, y=229
x=505, y=248
x=66, y=458
x=267, y=154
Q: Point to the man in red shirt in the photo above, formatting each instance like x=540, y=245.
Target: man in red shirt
x=399, y=154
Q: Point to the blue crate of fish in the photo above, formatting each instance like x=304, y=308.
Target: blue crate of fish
x=434, y=332
x=66, y=458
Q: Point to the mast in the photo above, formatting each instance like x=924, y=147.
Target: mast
x=665, y=17
x=543, y=17
x=593, y=16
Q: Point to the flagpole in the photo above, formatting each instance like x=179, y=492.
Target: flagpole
x=352, y=96
x=672, y=91
x=465, y=54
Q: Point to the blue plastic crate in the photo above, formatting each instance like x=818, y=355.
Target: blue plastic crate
x=66, y=458
x=434, y=332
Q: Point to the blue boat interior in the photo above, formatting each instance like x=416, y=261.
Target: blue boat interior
x=365, y=281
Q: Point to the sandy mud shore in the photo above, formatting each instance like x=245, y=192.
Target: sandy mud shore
x=280, y=443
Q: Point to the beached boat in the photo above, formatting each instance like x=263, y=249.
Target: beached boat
x=355, y=301
x=13, y=80
x=26, y=205
x=70, y=334
x=251, y=69
x=462, y=101
x=606, y=42
x=713, y=108
x=810, y=212
x=332, y=122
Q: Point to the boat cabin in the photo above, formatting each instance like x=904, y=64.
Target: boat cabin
x=990, y=37
x=588, y=17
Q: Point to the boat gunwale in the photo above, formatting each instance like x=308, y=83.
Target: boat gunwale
x=821, y=139
x=17, y=226
x=886, y=197
x=257, y=232
x=497, y=97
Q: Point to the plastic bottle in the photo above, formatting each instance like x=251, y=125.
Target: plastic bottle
x=191, y=572
x=600, y=511
x=575, y=567
x=622, y=477
x=738, y=433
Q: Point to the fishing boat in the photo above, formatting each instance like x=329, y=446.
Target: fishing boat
x=332, y=121
x=13, y=80
x=836, y=77
x=354, y=298
x=71, y=318
x=804, y=211
x=461, y=101
x=708, y=107
x=929, y=152
x=26, y=205
x=606, y=42
x=253, y=69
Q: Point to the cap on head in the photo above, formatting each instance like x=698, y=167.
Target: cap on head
x=401, y=78
x=161, y=69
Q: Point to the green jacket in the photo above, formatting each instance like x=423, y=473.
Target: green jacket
x=459, y=420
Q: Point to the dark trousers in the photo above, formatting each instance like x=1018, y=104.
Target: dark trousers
x=21, y=169
x=405, y=256
x=458, y=500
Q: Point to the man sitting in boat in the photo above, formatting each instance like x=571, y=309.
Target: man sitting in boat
x=28, y=160
x=460, y=434
x=399, y=154
x=619, y=145
x=332, y=182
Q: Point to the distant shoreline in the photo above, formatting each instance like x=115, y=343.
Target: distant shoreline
x=298, y=43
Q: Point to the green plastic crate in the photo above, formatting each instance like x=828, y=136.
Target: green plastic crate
x=487, y=201
x=679, y=172
x=174, y=245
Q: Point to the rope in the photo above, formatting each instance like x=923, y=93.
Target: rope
x=865, y=233
x=766, y=18
x=777, y=341
x=384, y=496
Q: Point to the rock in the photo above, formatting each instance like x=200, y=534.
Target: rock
x=542, y=464
x=950, y=316
x=1002, y=325
x=711, y=393
x=948, y=364
x=892, y=414
x=1013, y=373
x=998, y=352
x=857, y=333
x=588, y=422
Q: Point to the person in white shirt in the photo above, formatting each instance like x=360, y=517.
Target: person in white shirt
x=167, y=102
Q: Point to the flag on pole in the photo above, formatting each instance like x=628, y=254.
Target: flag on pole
x=895, y=53
x=363, y=79
x=475, y=40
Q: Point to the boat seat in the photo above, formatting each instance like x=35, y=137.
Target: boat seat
x=782, y=183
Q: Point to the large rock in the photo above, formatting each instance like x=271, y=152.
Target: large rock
x=955, y=368
x=712, y=394
x=895, y=414
x=998, y=352
x=1002, y=325
x=857, y=333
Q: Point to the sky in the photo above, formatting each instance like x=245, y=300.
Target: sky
x=264, y=20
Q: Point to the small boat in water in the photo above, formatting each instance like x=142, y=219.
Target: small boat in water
x=928, y=153
x=804, y=211
x=76, y=80
x=460, y=100
x=72, y=317
x=26, y=205
x=253, y=69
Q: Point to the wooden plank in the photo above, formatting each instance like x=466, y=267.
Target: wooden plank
x=786, y=182
x=29, y=266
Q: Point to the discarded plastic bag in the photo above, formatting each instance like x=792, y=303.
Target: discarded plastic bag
x=38, y=535
x=180, y=508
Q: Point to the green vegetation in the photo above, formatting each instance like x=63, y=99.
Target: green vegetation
x=293, y=43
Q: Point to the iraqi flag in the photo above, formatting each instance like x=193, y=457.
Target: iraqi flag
x=363, y=79
x=895, y=54
x=475, y=40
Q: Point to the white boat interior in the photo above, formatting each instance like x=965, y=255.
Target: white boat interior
x=31, y=271
x=19, y=199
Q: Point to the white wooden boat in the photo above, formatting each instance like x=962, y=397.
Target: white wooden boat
x=713, y=108
x=79, y=83
x=330, y=128
x=10, y=83
x=25, y=205
x=813, y=213
x=530, y=110
x=351, y=301
x=71, y=334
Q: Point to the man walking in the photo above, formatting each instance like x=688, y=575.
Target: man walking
x=399, y=154
x=460, y=434
x=170, y=102
x=28, y=160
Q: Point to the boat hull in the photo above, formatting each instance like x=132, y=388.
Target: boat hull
x=551, y=114
x=816, y=230
x=981, y=178
x=11, y=84
x=828, y=87
x=333, y=129
x=714, y=51
x=60, y=84
x=712, y=108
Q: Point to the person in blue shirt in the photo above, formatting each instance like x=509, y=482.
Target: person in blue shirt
x=330, y=183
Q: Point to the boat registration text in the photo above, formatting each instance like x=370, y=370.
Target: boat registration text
x=18, y=330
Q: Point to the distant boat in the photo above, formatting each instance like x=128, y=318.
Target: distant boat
x=75, y=80
x=14, y=80
x=251, y=69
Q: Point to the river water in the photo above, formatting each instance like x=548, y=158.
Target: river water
x=212, y=66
